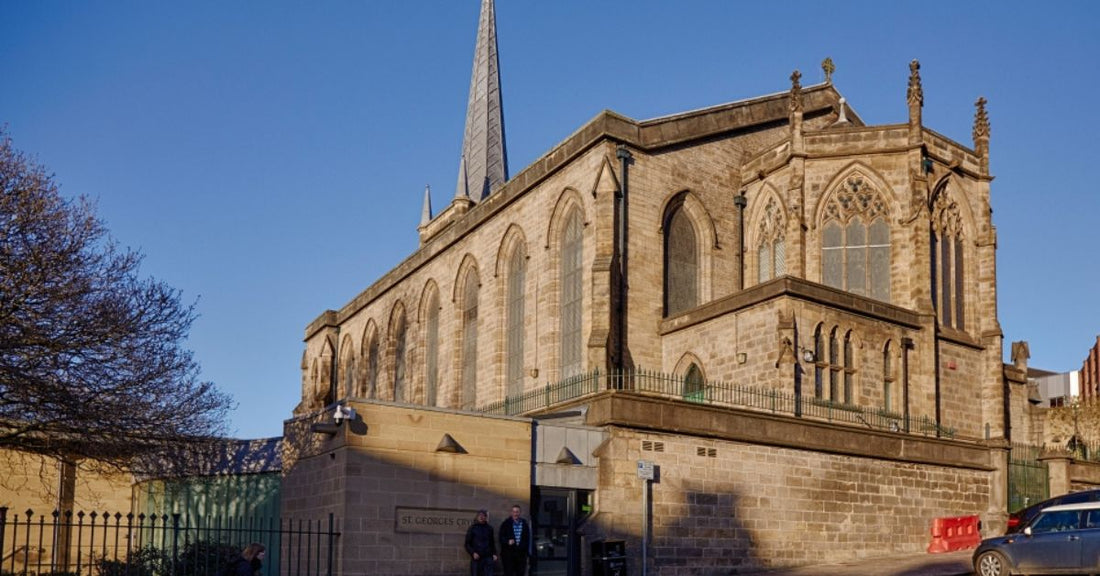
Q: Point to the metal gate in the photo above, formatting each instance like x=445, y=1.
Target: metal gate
x=1028, y=478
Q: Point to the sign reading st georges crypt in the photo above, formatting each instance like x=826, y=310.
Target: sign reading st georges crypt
x=432, y=520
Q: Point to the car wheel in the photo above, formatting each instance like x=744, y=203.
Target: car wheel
x=991, y=564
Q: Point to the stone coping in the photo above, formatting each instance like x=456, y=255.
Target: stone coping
x=631, y=410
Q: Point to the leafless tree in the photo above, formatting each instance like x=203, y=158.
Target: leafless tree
x=92, y=363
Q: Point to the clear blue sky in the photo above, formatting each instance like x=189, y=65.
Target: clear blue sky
x=269, y=158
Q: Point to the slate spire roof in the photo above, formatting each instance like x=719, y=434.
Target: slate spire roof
x=484, y=163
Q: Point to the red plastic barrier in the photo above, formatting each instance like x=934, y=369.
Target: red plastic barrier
x=958, y=533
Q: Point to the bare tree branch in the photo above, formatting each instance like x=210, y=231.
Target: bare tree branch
x=92, y=363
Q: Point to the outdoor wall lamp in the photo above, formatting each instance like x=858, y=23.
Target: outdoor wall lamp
x=342, y=413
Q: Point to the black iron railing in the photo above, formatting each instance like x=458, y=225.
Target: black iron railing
x=104, y=544
x=717, y=393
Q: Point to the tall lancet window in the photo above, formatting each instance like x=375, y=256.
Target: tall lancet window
x=399, y=380
x=771, y=250
x=855, y=240
x=887, y=379
x=834, y=367
x=681, y=262
x=517, y=272
x=572, y=296
x=431, y=350
x=948, y=264
x=372, y=367
x=819, y=363
x=469, y=342
x=849, y=367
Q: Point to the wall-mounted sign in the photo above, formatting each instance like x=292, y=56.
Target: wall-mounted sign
x=645, y=469
x=432, y=520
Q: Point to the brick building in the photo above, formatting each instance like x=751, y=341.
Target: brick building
x=1090, y=374
x=790, y=314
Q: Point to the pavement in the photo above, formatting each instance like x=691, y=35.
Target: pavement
x=920, y=564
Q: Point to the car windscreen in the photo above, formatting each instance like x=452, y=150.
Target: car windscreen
x=1059, y=521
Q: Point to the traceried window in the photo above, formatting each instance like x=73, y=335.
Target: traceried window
x=681, y=262
x=431, y=351
x=400, y=345
x=469, y=342
x=572, y=296
x=517, y=271
x=771, y=251
x=855, y=240
x=948, y=265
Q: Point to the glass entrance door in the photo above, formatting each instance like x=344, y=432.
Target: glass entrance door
x=557, y=514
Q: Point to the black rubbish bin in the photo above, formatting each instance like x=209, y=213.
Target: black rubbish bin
x=609, y=558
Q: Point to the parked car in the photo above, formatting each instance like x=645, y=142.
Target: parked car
x=1063, y=539
x=1020, y=518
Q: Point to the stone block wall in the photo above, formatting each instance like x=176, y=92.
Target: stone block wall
x=385, y=467
x=730, y=507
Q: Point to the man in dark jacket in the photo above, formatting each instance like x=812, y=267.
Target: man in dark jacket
x=480, y=546
x=515, y=543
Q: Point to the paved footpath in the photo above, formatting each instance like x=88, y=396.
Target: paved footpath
x=948, y=564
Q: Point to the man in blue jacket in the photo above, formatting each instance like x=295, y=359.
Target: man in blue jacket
x=515, y=543
x=480, y=546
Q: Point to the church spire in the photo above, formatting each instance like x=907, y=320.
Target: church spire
x=484, y=162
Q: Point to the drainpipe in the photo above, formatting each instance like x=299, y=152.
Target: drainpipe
x=624, y=156
x=906, y=346
x=936, y=355
x=740, y=201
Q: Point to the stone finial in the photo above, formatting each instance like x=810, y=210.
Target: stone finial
x=842, y=113
x=915, y=94
x=981, y=120
x=426, y=211
x=828, y=67
x=1021, y=352
x=796, y=91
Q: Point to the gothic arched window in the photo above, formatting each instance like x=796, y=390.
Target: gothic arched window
x=771, y=252
x=469, y=342
x=693, y=384
x=834, y=367
x=572, y=296
x=399, y=347
x=517, y=271
x=948, y=266
x=681, y=262
x=372, y=367
x=431, y=350
x=819, y=363
x=887, y=379
x=849, y=367
x=855, y=241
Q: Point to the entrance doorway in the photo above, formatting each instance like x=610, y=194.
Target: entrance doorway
x=556, y=515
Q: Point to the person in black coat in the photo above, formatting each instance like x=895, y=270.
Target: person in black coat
x=515, y=543
x=481, y=546
x=249, y=562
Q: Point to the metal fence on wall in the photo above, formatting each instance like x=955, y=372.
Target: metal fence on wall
x=718, y=393
x=104, y=544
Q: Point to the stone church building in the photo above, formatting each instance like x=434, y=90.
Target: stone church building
x=757, y=334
